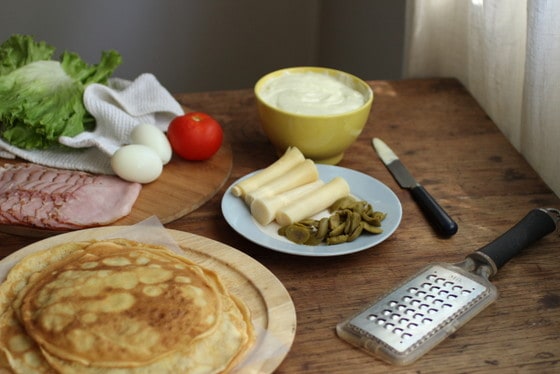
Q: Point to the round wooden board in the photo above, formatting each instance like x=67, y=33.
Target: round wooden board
x=272, y=309
x=182, y=187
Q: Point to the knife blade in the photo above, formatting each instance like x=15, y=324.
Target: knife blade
x=435, y=214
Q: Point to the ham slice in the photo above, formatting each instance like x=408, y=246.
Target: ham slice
x=42, y=197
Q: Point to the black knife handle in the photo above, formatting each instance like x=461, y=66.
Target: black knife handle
x=536, y=224
x=441, y=221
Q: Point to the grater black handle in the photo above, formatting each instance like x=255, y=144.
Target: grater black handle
x=536, y=224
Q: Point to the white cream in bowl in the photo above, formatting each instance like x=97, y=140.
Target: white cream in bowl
x=311, y=93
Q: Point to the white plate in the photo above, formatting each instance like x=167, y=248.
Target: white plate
x=362, y=186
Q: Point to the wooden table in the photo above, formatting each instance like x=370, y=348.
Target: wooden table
x=460, y=156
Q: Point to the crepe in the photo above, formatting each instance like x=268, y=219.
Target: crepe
x=119, y=306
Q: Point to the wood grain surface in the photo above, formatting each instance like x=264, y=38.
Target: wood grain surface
x=455, y=150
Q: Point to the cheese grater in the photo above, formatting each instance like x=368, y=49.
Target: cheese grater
x=414, y=317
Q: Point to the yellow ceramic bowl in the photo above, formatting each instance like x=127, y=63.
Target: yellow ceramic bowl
x=321, y=137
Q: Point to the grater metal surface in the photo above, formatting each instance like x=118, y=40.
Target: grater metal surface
x=420, y=313
x=407, y=322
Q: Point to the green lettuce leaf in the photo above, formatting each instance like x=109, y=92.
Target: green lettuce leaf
x=20, y=50
x=41, y=99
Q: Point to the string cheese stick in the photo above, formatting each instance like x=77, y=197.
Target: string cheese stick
x=264, y=209
x=302, y=173
x=313, y=202
x=287, y=161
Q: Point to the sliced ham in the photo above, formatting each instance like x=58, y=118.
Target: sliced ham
x=43, y=197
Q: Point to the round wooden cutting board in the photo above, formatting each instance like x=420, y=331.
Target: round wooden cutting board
x=182, y=187
x=273, y=312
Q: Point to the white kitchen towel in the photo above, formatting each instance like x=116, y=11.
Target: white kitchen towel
x=117, y=108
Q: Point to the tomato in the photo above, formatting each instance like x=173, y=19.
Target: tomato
x=195, y=136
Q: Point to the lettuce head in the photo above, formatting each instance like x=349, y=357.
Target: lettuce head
x=41, y=98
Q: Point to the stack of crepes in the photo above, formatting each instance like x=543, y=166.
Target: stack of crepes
x=119, y=306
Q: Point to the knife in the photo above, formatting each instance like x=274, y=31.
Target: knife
x=437, y=216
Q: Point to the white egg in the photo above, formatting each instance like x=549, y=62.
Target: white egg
x=151, y=136
x=137, y=163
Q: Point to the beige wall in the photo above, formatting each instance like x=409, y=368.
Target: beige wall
x=198, y=45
